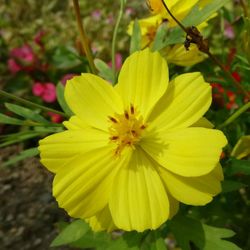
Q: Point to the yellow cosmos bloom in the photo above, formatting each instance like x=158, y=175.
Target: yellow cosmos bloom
x=179, y=8
x=132, y=152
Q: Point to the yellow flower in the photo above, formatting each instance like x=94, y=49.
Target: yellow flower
x=178, y=55
x=134, y=151
x=179, y=8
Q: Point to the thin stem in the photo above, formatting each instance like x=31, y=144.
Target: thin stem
x=201, y=44
x=29, y=103
x=244, y=7
x=122, y=4
x=83, y=37
x=235, y=115
x=176, y=20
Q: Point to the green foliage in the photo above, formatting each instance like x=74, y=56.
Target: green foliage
x=190, y=231
x=28, y=153
x=135, y=43
x=71, y=233
x=239, y=167
x=104, y=70
x=61, y=99
x=25, y=113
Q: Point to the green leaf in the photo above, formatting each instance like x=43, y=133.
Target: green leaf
x=229, y=186
x=197, y=15
x=71, y=233
x=160, y=36
x=9, y=120
x=154, y=241
x=61, y=99
x=9, y=139
x=65, y=58
x=25, y=112
x=135, y=43
x=239, y=166
x=128, y=241
x=104, y=70
x=99, y=241
x=22, y=156
x=187, y=230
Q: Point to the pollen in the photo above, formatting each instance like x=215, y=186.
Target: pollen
x=126, y=129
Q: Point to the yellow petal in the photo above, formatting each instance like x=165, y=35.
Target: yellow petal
x=143, y=80
x=218, y=172
x=75, y=123
x=102, y=221
x=178, y=55
x=203, y=122
x=242, y=147
x=187, y=99
x=173, y=205
x=58, y=149
x=138, y=200
x=187, y=152
x=191, y=190
x=83, y=187
x=92, y=99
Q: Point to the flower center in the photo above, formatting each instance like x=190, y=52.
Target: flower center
x=126, y=129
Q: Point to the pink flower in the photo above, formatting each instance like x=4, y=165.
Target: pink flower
x=129, y=11
x=38, y=89
x=23, y=54
x=229, y=31
x=47, y=91
x=13, y=66
x=38, y=39
x=56, y=118
x=49, y=94
x=96, y=15
x=67, y=77
x=118, y=61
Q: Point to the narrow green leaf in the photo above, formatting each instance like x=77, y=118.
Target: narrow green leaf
x=31, y=152
x=71, y=233
x=104, y=70
x=25, y=112
x=10, y=139
x=135, y=43
x=61, y=99
x=229, y=186
x=9, y=120
x=198, y=15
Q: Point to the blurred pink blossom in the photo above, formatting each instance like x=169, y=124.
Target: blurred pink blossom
x=25, y=54
x=129, y=11
x=47, y=91
x=67, y=77
x=118, y=61
x=229, y=31
x=96, y=15
x=13, y=66
x=56, y=118
x=38, y=89
x=38, y=39
x=21, y=58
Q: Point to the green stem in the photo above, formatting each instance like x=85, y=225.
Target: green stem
x=29, y=103
x=122, y=4
x=235, y=115
x=83, y=37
